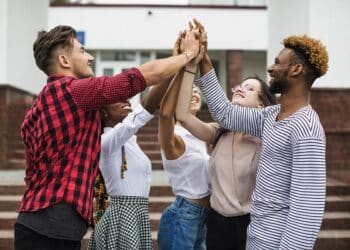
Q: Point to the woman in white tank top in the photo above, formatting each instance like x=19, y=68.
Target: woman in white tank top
x=185, y=160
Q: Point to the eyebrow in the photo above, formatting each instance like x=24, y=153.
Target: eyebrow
x=248, y=85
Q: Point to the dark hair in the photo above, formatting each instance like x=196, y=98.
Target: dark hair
x=311, y=53
x=265, y=97
x=46, y=43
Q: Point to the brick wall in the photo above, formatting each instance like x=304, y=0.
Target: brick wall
x=333, y=107
x=13, y=104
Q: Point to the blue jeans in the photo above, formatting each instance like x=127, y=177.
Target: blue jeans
x=182, y=226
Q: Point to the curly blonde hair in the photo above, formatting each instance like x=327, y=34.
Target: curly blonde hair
x=312, y=49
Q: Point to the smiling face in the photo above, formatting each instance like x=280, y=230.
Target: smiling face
x=196, y=100
x=247, y=94
x=115, y=113
x=279, y=82
x=80, y=61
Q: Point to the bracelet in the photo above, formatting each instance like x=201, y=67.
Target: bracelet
x=188, y=71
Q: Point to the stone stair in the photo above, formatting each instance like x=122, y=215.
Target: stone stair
x=334, y=234
x=335, y=229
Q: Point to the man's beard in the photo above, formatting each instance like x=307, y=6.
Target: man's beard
x=277, y=87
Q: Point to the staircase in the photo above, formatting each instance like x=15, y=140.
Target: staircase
x=335, y=229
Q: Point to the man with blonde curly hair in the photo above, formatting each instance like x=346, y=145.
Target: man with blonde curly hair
x=289, y=196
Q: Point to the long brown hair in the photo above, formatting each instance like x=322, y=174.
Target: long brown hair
x=265, y=97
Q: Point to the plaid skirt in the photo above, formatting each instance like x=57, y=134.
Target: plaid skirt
x=124, y=225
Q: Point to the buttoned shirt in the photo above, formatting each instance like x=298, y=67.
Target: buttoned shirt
x=61, y=133
x=137, y=177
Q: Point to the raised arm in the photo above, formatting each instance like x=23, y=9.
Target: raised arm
x=228, y=115
x=307, y=196
x=157, y=70
x=172, y=145
x=201, y=130
x=151, y=101
x=121, y=133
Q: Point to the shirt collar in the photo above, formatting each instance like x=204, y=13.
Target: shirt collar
x=106, y=129
x=52, y=78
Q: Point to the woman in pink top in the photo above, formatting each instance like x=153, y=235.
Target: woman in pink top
x=233, y=163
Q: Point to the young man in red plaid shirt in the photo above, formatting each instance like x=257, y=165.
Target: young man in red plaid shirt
x=61, y=133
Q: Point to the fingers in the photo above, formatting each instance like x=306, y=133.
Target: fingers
x=199, y=25
x=190, y=25
x=177, y=45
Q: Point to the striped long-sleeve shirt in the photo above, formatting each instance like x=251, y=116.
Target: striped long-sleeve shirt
x=289, y=196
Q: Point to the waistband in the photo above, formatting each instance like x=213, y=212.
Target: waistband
x=137, y=200
x=181, y=202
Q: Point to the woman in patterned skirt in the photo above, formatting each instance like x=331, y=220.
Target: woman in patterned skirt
x=126, y=172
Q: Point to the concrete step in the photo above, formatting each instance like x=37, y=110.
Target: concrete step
x=16, y=144
x=149, y=145
x=8, y=219
x=336, y=187
x=331, y=220
x=327, y=240
x=333, y=240
x=149, y=129
x=16, y=163
x=336, y=221
x=15, y=186
x=156, y=204
x=157, y=164
x=338, y=203
x=7, y=240
x=159, y=204
x=15, y=153
x=153, y=155
x=9, y=202
x=147, y=137
x=19, y=190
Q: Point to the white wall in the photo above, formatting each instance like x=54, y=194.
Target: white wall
x=20, y=22
x=326, y=20
x=133, y=28
x=3, y=41
x=330, y=22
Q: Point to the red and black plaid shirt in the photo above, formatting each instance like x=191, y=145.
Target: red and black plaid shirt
x=61, y=133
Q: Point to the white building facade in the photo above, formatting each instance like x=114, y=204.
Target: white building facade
x=244, y=35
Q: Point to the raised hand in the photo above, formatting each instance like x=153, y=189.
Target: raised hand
x=203, y=39
x=178, y=43
x=190, y=44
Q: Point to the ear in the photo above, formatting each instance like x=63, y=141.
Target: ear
x=260, y=106
x=64, y=61
x=103, y=113
x=296, y=69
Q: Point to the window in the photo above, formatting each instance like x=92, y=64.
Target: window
x=118, y=56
